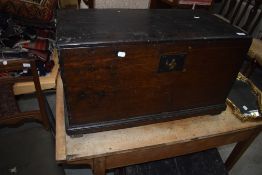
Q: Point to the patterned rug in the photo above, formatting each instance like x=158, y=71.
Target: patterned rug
x=30, y=9
x=39, y=2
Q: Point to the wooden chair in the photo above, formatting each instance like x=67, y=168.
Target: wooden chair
x=245, y=14
x=10, y=113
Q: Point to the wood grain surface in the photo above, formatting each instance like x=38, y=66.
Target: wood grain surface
x=60, y=123
x=104, y=91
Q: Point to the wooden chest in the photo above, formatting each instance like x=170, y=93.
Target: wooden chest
x=123, y=68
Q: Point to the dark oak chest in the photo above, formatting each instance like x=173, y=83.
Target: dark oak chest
x=123, y=68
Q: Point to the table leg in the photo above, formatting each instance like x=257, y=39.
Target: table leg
x=99, y=166
x=239, y=149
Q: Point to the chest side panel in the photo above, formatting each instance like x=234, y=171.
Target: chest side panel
x=100, y=86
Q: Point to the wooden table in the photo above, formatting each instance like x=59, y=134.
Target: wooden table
x=117, y=148
x=47, y=82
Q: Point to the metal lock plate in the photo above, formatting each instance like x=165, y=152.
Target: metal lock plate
x=170, y=63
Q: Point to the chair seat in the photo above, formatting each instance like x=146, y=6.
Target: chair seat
x=255, y=51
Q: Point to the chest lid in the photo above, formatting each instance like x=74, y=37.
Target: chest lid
x=76, y=28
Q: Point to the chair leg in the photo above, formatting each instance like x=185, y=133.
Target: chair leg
x=40, y=97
